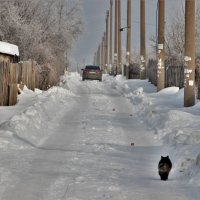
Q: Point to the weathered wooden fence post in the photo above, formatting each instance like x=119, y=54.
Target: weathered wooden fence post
x=12, y=86
x=12, y=94
x=4, y=79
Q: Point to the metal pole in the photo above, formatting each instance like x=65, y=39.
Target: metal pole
x=189, y=71
x=128, y=38
x=142, y=41
x=161, y=41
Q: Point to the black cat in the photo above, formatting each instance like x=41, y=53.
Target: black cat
x=164, y=167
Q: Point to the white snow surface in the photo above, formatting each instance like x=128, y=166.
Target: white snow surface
x=10, y=49
x=73, y=142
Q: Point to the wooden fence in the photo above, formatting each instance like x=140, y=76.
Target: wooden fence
x=174, y=75
x=4, y=83
x=12, y=75
x=152, y=71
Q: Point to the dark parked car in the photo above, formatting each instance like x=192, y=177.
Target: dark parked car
x=92, y=72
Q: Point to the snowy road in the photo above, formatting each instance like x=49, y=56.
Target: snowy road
x=86, y=153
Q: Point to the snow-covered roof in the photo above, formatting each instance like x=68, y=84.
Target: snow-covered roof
x=9, y=49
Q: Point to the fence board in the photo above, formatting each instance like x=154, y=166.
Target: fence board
x=174, y=74
x=12, y=90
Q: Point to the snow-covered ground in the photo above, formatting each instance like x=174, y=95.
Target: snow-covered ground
x=73, y=142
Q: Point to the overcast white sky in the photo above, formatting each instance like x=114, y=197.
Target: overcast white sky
x=94, y=12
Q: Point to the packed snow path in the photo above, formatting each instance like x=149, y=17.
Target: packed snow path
x=88, y=153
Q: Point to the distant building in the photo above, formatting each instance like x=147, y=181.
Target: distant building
x=9, y=52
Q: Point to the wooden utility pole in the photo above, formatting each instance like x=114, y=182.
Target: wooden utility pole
x=116, y=38
x=142, y=41
x=128, y=38
x=111, y=38
x=104, y=47
x=189, y=71
x=119, y=39
x=106, y=41
x=161, y=45
x=99, y=55
x=102, y=53
x=95, y=58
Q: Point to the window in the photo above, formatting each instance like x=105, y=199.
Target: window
x=92, y=67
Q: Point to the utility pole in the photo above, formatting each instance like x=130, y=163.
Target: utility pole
x=116, y=38
x=102, y=53
x=189, y=71
x=95, y=58
x=142, y=41
x=119, y=39
x=111, y=52
x=106, y=41
x=99, y=55
x=104, y=50
x=128, y=38
x=161, y=41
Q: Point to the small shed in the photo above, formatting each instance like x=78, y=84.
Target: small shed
x=9, y=53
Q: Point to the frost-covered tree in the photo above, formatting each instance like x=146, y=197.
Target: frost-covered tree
x=175, y=36
x=44, y=30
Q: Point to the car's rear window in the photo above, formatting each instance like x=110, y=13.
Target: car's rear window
x=92, y=67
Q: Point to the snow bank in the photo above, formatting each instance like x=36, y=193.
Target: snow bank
x=35, y=118
x=173, y=125
x=163, y=112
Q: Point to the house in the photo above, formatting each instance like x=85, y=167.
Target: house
x=9, y=53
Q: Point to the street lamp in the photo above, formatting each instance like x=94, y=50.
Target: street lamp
x=121, y=29
x=126, y=70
